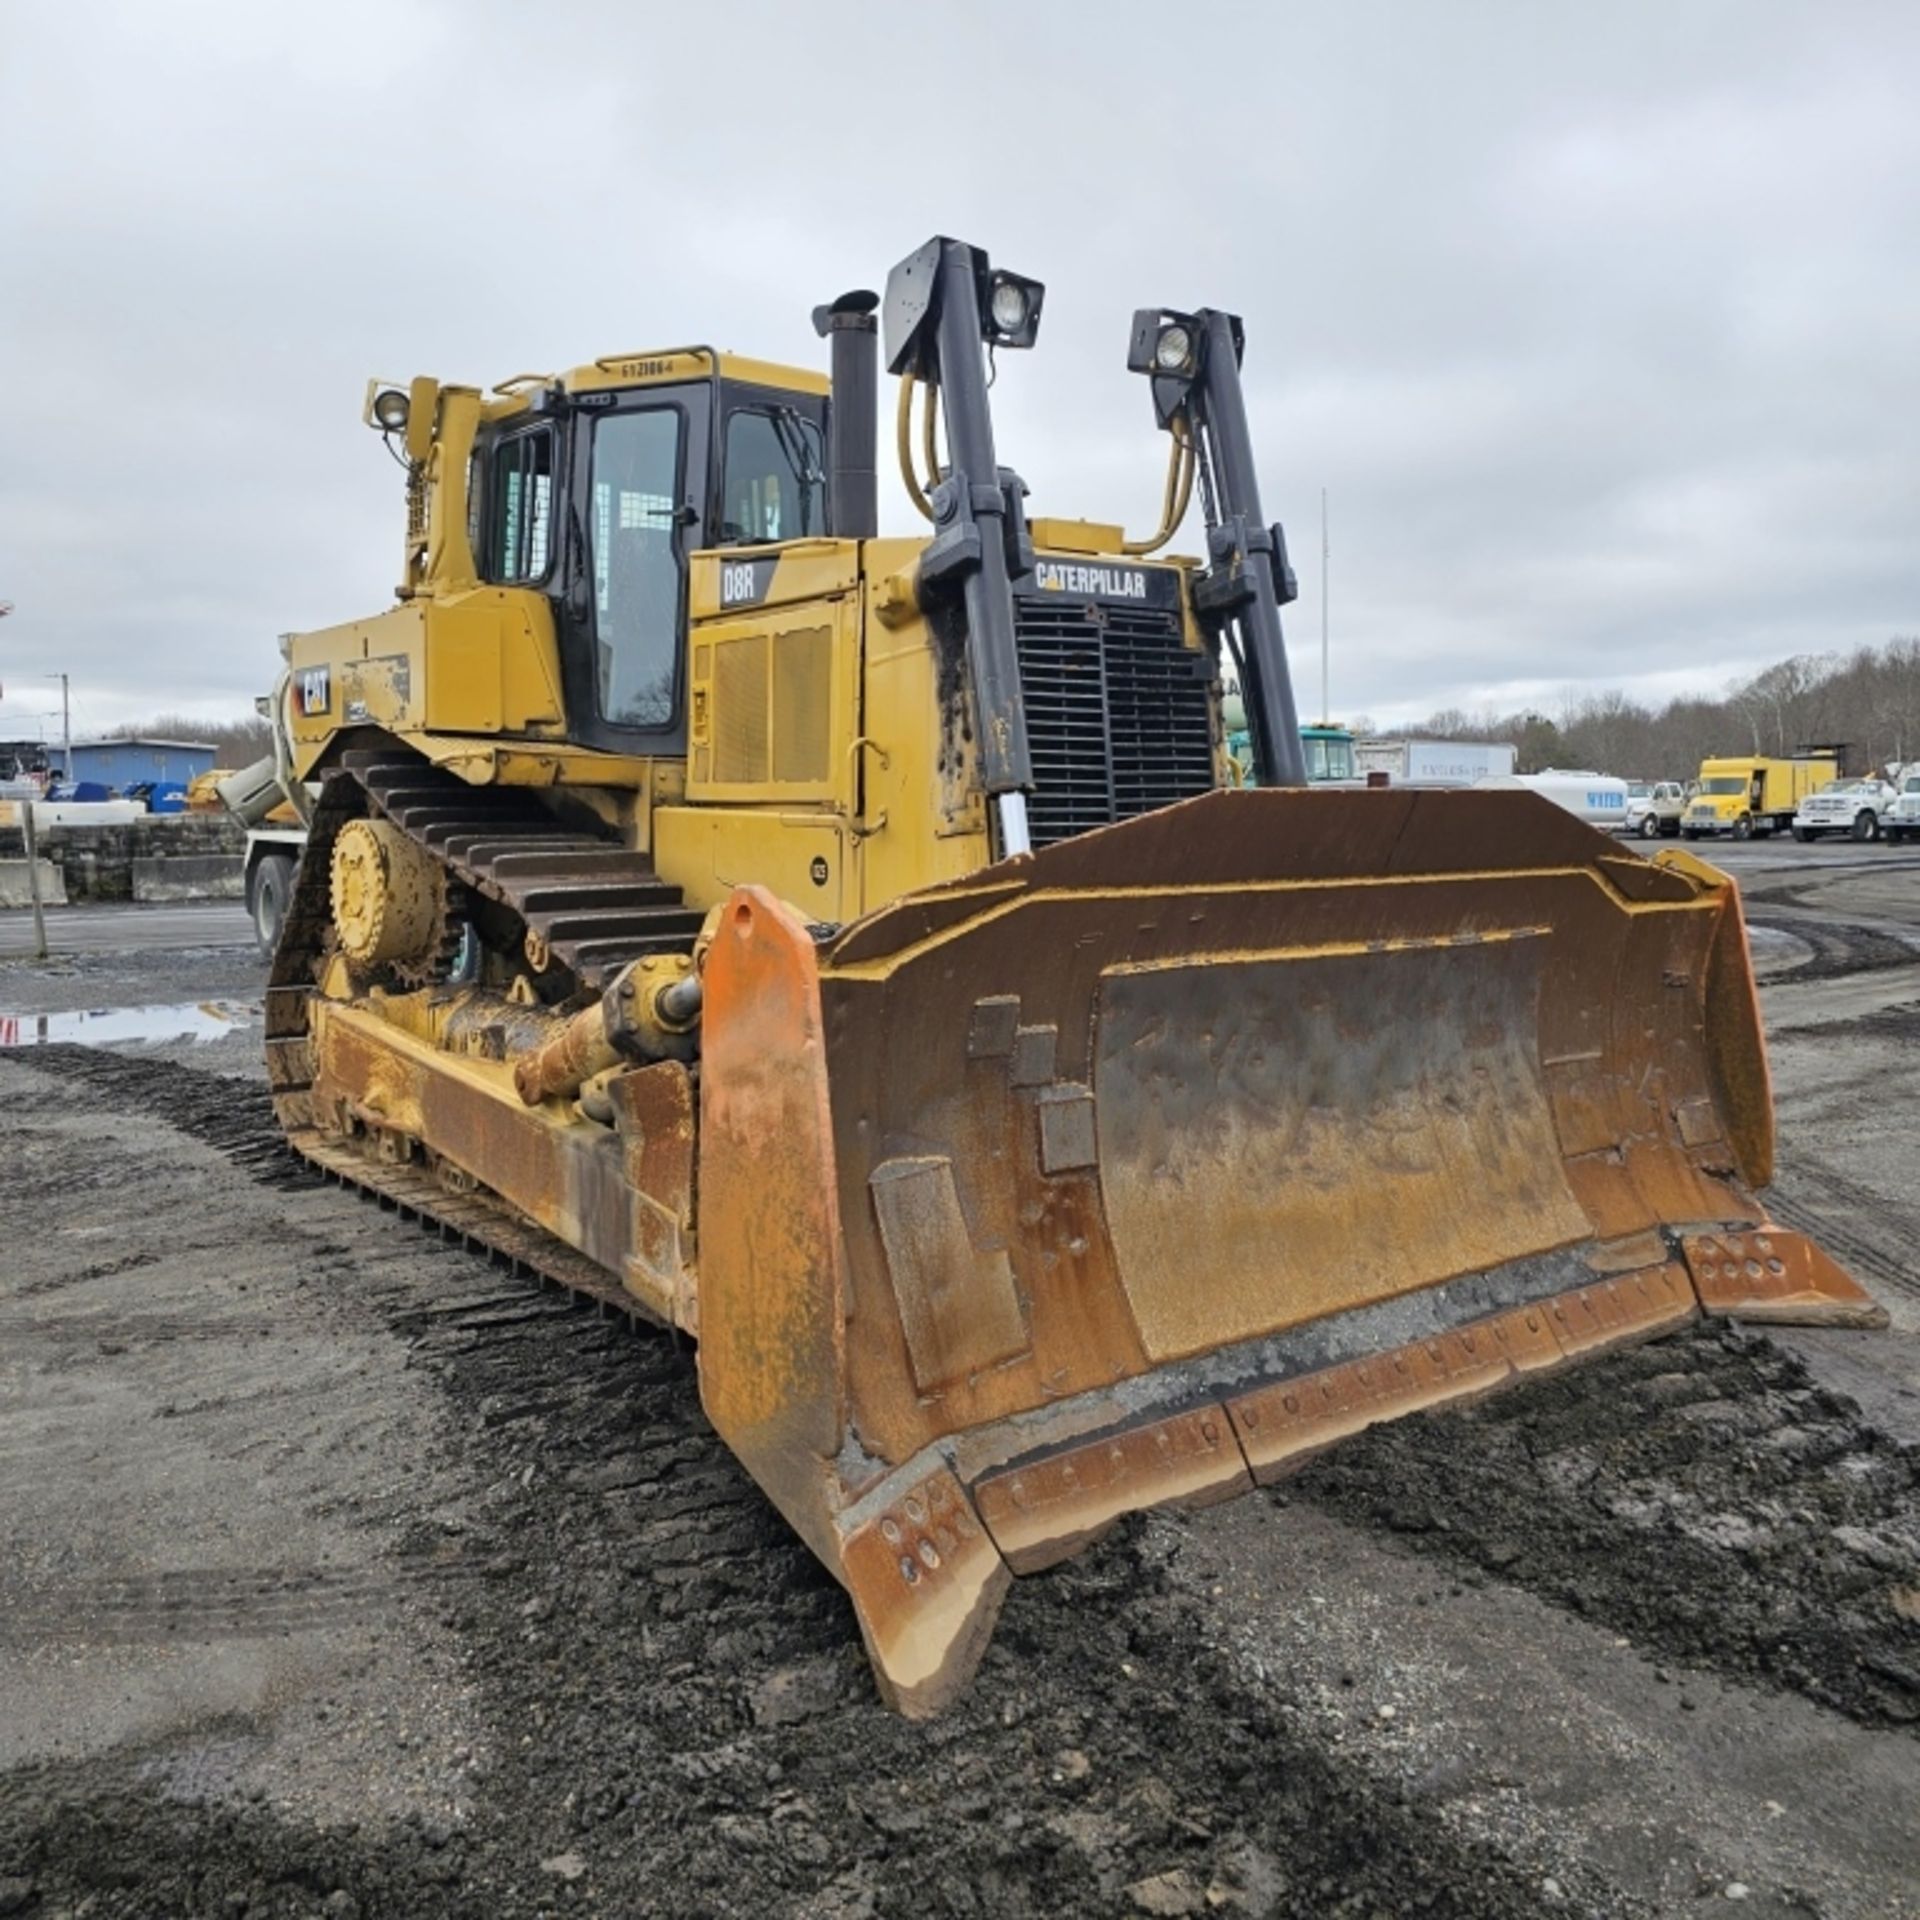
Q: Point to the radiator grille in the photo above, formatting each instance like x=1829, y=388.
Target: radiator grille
x=1116, y=713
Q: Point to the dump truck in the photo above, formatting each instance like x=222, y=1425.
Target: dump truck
x=875, y=973
x=1756, y=795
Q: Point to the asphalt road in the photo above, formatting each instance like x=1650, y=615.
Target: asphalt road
x=225, y=923
x=89, y=929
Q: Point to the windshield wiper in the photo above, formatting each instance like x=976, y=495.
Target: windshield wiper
x=789, y=428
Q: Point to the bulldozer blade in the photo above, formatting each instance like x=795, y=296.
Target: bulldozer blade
x=1140, y=1170
x=1779, y=1276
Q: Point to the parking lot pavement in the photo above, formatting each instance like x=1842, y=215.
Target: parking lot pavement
x=118, y=929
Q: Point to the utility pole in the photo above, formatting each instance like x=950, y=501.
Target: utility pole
x=1326, y=697
x=66, y=730
x=31, y=846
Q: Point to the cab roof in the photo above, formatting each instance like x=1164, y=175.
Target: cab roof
x=669, y=366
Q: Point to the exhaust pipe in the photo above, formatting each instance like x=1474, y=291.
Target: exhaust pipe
x=852, y=334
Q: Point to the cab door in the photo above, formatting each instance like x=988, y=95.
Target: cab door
x=636, y=506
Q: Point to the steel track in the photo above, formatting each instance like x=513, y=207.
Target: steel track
x=593, y=905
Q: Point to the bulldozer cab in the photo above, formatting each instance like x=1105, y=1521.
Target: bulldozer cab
x=597, y=496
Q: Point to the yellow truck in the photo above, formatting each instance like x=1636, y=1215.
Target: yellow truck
x=1754, y=795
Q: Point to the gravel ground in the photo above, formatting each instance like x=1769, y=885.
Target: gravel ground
x=350, y=1575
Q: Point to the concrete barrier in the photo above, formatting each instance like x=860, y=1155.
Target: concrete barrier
x=16, y=889
x=190, y=876
x=97, y=862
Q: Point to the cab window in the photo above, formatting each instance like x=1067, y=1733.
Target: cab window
x=520, y=508
x=774, y=480
x=636, y=565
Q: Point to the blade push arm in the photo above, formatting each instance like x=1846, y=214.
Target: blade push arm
x=944, y=307
x=1194, y=360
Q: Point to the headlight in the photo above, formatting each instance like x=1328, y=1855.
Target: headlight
x=1008, y=307
x=1173, y=351
x=1011, y=310
x=390, y=410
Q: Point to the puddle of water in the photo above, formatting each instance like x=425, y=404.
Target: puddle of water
x=115, y=1026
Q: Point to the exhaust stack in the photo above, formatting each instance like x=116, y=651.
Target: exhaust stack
x=852, y=333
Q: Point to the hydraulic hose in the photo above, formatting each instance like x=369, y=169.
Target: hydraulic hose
x=1173, y=508
x=903, y=435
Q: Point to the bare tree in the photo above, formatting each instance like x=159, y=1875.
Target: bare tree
x=235, y=743
x=1868, y=700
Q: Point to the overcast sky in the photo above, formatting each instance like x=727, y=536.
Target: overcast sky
x=1597, y=322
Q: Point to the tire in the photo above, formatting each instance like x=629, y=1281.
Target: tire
x=1743, y=827
x=1689, y=833
x=1649, y=826
x=268, y=896
x=1803, y=834
x=1866, y=825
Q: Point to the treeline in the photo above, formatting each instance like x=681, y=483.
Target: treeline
x=235, y=743
x=1870, y=699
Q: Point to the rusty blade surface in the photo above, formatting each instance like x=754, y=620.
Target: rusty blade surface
x=1246, y=1063
x=1139, y=1170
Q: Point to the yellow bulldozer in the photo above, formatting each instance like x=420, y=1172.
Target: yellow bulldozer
x=857, y=953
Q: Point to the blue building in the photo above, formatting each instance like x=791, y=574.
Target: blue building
x=120, y=764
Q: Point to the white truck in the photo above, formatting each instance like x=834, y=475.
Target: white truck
x=1597, y=798
x=1901, y=820
x=1654, y=808
x=1433, y=763
x=1855, y=808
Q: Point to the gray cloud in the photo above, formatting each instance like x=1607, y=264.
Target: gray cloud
x=1595, y=322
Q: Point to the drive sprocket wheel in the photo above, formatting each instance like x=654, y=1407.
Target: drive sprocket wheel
x=392, y=904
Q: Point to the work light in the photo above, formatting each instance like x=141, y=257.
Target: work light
x=1173, y=351
x=1013, y=309
x=390, y=410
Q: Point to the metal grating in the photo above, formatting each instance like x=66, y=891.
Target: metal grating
x=740, y=718
x=803, y=705
x=1117, y=715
